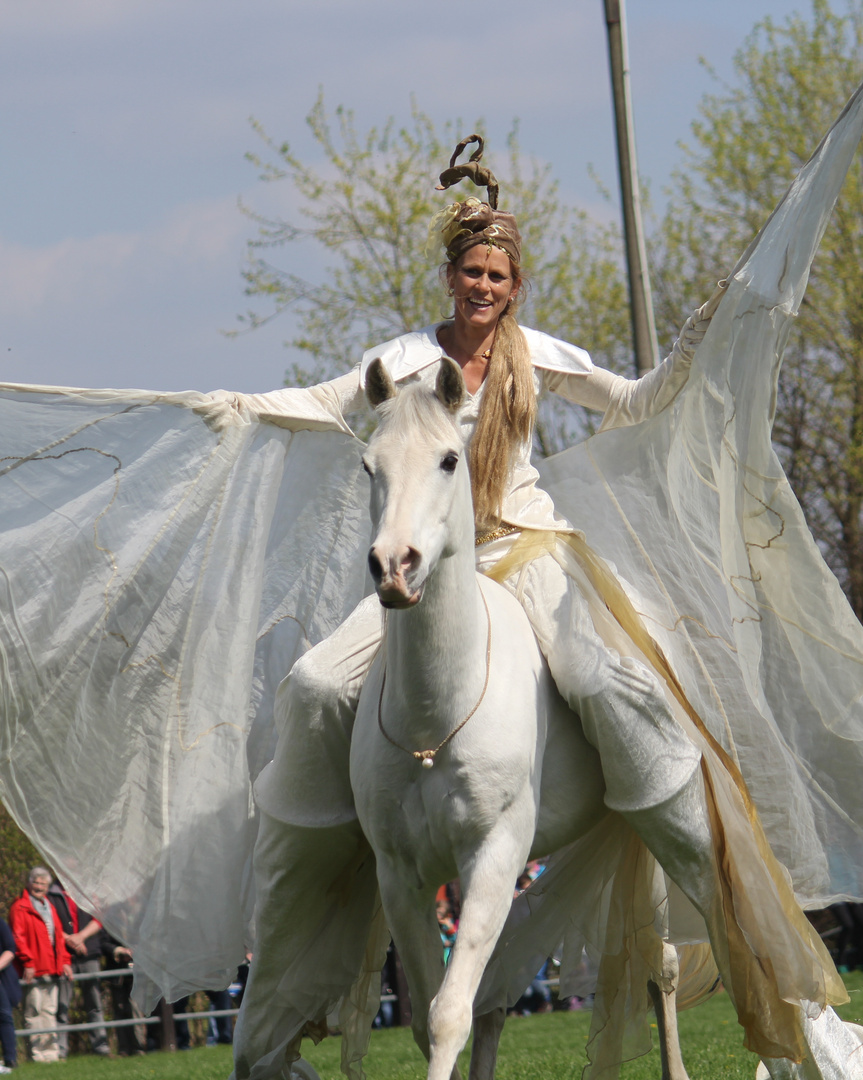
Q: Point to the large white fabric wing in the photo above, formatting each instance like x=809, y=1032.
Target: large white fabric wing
x=694, y=510
x=157, y=580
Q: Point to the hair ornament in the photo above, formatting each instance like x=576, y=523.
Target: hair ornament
x=461, y=225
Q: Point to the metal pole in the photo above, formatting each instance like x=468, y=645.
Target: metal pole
x=169, y=1035
x=640, y=300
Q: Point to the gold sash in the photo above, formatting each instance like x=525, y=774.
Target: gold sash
x=766, y=1004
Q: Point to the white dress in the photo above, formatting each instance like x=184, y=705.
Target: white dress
x=159, y=575
x=308, y=782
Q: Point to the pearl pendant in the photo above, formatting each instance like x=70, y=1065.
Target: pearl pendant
x=428, y=762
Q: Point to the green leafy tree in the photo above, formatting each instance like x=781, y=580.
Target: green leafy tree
x=17, y=859
x=368, y=206
x=750, y=140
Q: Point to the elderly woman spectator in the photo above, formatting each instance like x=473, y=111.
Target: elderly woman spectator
x=41, y=959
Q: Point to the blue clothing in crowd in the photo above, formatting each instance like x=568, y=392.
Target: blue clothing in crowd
x=10, y=995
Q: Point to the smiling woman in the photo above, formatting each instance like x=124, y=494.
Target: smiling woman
x=620, y=701
x=483, y=281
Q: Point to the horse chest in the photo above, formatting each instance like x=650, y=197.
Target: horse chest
x=424, y=820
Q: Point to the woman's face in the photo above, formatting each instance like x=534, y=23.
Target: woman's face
x=482, y=283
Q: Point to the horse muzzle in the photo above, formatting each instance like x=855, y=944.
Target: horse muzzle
x=393, y=599
x=392, y=573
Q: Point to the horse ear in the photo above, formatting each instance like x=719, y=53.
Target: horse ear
x=379, y=384
x=450, y=388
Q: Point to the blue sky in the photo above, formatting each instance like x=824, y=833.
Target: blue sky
x=126, y=122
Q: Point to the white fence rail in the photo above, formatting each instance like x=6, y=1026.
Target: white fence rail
x=116, y=973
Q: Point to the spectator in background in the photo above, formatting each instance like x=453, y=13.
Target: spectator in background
x=221, y=1027
x=537, y=997
x=82, y=935
x=182, y=1036
x=447, y=923
x=41, y=959
x=386, y=1016
x=117, y=955
x=238, y=986
x=10, y=995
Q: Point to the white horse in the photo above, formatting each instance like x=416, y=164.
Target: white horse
x=465, y=760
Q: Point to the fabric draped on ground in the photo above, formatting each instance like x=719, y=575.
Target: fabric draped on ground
x=158, y=578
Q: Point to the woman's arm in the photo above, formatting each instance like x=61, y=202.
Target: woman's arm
x=629, y=401
x=314, y=408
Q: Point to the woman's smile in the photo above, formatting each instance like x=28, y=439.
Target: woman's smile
x=482, y=285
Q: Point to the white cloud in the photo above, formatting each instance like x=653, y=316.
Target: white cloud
x=94, y=270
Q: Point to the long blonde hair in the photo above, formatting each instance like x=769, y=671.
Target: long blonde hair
x=506, y=416
x=508, y=410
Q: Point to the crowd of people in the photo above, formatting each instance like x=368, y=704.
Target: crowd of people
x=49, y=939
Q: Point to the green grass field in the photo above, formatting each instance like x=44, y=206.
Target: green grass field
x=549, y=1047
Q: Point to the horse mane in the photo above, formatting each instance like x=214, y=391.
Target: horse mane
x=416, y=407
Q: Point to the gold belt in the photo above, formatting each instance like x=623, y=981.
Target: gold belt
x=495, y=534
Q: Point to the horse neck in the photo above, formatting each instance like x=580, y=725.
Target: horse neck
x=436, y=651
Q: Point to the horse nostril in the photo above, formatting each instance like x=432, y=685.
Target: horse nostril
x=411, y=559
x=375, y=568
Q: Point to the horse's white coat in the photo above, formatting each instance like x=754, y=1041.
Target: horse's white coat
x=495, y=794
x=518, y=780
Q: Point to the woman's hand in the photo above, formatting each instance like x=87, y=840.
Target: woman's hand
x=75, y=944
x=693, y=330
x=219, y=410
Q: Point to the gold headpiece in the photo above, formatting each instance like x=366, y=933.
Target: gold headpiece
x=462, y=225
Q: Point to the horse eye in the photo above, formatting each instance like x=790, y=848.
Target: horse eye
x=449, y=462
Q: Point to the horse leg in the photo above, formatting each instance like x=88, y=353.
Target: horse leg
x=487, y=887
x=486, y=1039
x=665, y=1007
x=678, y=834
x=412, y=921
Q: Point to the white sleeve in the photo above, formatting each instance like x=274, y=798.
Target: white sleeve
x=629, y=401
x=623, y=401
x=313, y=408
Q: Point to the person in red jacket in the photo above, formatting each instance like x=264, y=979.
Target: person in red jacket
x=41, y=958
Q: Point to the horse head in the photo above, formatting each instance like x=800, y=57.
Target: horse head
x=420, y=489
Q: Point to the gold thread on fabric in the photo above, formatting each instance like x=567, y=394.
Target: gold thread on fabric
x=772, y=1024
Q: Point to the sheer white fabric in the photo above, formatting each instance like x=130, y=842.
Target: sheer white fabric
x=156, y=581
x=160, y=572
x=693, y=508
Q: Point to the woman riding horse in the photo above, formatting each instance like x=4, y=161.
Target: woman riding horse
x=314, y=876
